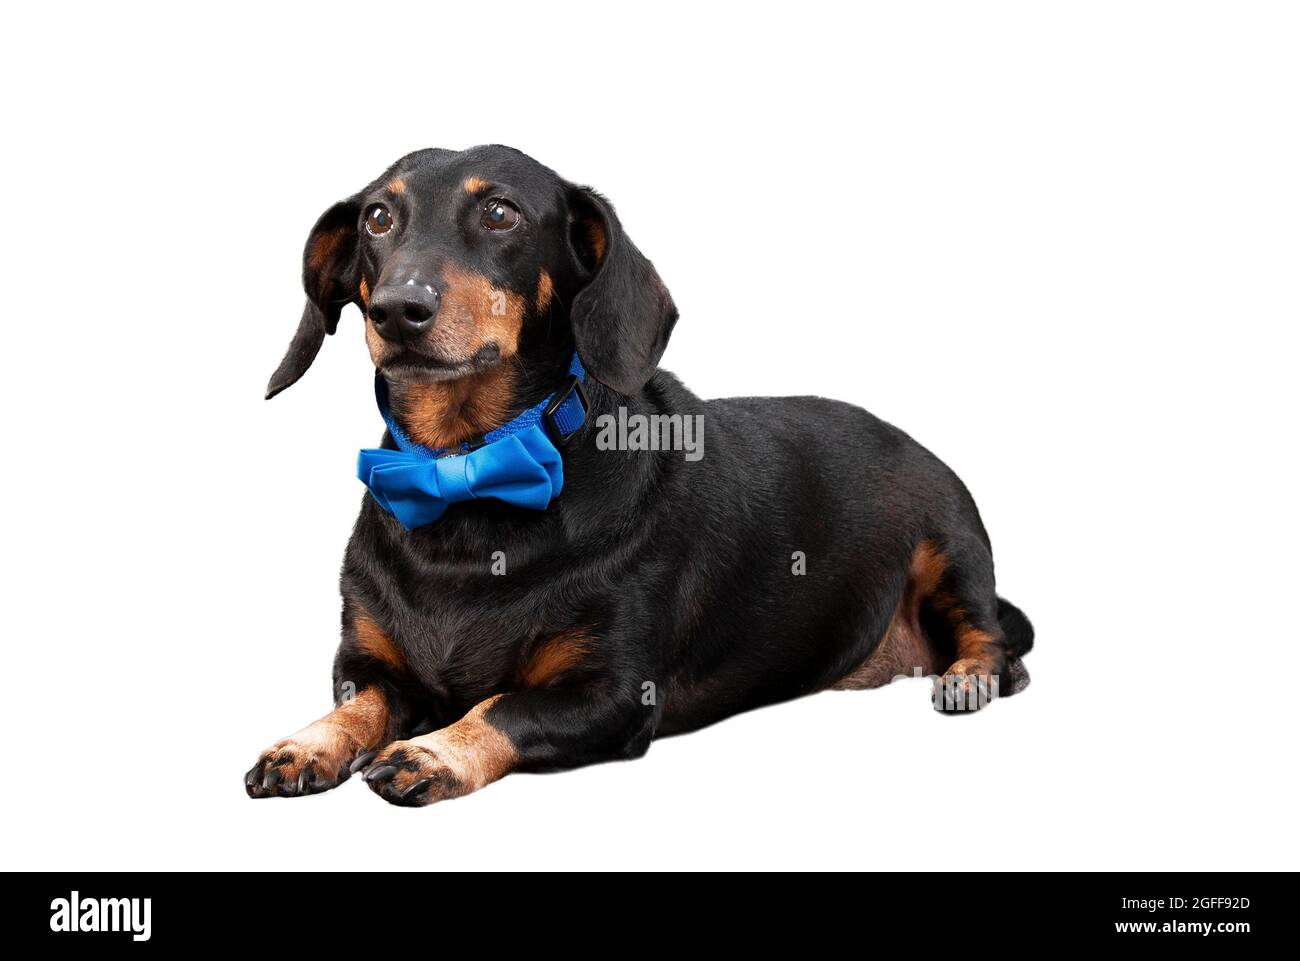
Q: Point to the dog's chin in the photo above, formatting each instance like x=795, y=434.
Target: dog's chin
x=412, y=367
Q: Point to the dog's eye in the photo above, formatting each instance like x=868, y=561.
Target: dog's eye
x=378, y=220
x=500, y=215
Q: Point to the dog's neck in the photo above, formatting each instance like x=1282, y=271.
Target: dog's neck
x=444, y=415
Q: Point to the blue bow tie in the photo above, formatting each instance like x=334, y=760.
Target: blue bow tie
x=517, y=462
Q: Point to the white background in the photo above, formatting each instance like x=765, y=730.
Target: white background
x=1057, y=243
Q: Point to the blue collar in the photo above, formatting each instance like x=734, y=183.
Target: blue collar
x=560, y=414
x=518, y=463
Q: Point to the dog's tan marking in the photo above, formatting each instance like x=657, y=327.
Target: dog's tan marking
x=474, y=314
x=973, y=677
x=545, y=291
x=443, y=415
x=970, y=642
x=905, y=646
x=397, y=186
x=596, y=234
x=330, y=744
x=325, y=247
x=554, y=657
x=475, y=185
x=971, y=682
x=364, y=290
x=476, y=752
x=460, y=758
x=380, y=350
x=375, y=641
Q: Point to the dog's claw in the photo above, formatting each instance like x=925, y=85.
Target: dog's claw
x=417, y=788
x=361, y=761
x=384, y=772
x=299, y=766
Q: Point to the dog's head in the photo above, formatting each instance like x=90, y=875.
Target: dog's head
x=463, y=261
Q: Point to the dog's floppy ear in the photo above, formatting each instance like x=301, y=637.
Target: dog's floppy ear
x=622, y=317
x=331, y=276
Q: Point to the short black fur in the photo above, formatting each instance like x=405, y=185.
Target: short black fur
x=679, y=574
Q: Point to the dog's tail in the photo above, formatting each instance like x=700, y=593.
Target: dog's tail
x=1015, y=627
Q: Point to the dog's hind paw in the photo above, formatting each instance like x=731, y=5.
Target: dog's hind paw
x=965, y=687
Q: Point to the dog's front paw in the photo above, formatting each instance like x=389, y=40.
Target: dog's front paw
x=315, y=759
x=412, y=774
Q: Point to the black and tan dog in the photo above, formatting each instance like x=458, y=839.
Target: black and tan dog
x=813, y=547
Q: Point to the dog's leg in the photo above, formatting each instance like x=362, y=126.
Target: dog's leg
x=369, y=669
x=522, y=730
x=318, y=757
x=984, y=664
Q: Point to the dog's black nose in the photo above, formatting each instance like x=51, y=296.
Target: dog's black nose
x=402, y=312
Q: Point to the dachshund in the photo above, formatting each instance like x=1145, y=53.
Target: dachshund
x=643, y=592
